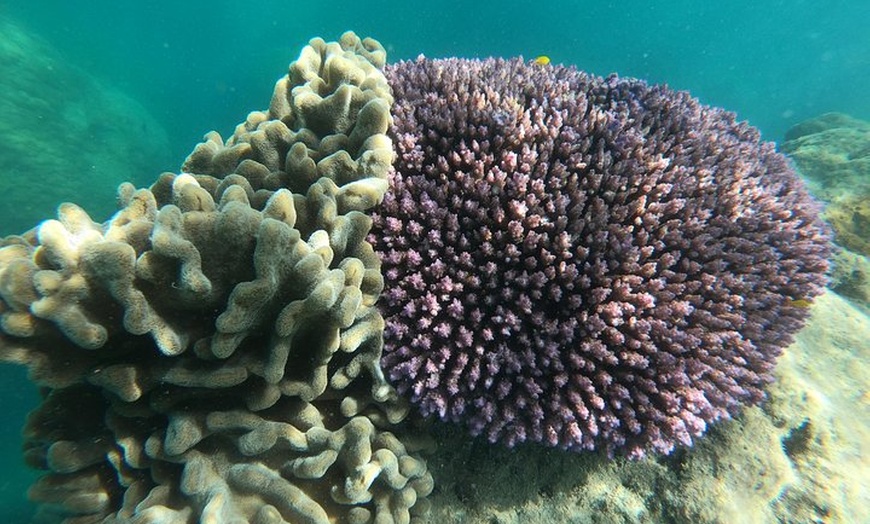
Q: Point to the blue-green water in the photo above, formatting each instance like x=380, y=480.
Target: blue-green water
x=202, y=65
x=197, y=66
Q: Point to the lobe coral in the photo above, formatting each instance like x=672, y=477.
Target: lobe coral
x=585, y=262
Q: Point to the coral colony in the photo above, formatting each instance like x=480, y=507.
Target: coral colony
x=535, y=253
x=584, y=262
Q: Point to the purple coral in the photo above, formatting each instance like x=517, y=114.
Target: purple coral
x=585, y=262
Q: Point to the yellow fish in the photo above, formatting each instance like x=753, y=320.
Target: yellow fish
x=542, y=60
x=801, y=303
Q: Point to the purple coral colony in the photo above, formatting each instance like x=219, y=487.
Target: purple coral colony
x=585, y=262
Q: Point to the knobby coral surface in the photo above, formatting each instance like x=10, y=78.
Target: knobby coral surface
x=211, y=352
x=585, y=262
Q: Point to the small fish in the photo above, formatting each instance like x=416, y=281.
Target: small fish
x=801, y=303
x=542, y=60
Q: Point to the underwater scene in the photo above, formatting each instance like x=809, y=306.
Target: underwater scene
x=451, y=262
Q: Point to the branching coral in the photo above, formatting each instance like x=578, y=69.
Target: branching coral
x=585, y=262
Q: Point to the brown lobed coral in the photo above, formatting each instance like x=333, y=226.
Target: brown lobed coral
x=211, y=352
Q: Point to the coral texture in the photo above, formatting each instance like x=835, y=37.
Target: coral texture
x=585, y=262
x=211, y=352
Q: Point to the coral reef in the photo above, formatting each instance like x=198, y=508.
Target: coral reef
x=66, y=132
x=585, y=262
x=211, y=352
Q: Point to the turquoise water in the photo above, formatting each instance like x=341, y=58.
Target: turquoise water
x=196, y=66
x=202, y=65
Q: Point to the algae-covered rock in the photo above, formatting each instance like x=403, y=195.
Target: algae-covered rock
x=832, y=152
x=849, y=215
x=850, y=276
